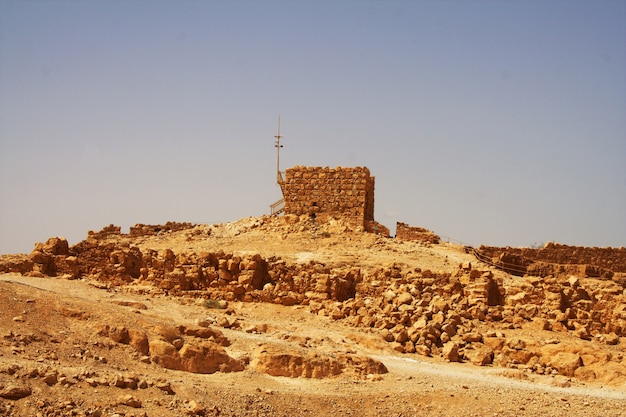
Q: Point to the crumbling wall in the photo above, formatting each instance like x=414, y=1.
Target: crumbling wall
x=415, y=234
x=372, y=226
x=345, y=192
x=108, y=231
x=416, y=311
x=557, y=259
x=153, y=230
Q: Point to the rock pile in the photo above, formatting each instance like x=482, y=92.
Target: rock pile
x=192, y=349
x=440, y=314
x=417, y=311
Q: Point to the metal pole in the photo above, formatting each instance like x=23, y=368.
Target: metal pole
x=278, y=146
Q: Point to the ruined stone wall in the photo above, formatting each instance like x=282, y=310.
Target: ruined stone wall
x=372, y=226
x=554, y=258
x=345, y=192
x=107, y=231
x=153, y=230
x=415, y=234
x=416, y=311
x=139, y=229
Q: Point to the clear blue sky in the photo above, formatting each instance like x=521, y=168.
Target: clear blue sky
x=493, y=122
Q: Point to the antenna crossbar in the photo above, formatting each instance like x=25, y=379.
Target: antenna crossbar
x=277, y=145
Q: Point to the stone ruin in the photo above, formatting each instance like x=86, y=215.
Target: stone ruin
x=415, y=234
x=417, y=311
x=347, y=193
x=555, y=259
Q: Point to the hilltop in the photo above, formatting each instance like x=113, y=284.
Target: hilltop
x=294, y=315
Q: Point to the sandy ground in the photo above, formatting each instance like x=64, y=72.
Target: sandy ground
x=414, y=386
x=55, y=361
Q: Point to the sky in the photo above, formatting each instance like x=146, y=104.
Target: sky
x=488, y=122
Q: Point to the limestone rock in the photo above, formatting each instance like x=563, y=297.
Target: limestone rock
x=195, y=408
x=207, y=357
x=404, y=298
x=119, y=334
x=566, y=363
x=206, y=332
x=138, y=340
x=15, y=391
x=422, y=350
x=56, y=246
x=472, y=337
x=362, y=365
x=278, y=362
x=479, y=354
x=130, y=401
x=518, y=356
x=164, y=354
x=610, y=339
x=167, y=333
x=450, y=352
x=204, y=357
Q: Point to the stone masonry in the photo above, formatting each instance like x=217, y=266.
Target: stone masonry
x=345, y=192
x=558, y=260
x=416, y=234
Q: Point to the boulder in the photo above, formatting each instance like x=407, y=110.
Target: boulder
x=518, y=356
x=139, y=341
x=479, y=354
x=194, y=408
x=610, y=339
x=294, y=363
x=119, y=334
x=164, y=354
x=129, y=401
x=566, y=363
x=203, y=357
x=472, y=337
x=206, y=332
x=43, y=262
x=401, y=336
x=207, y=357
x=422, y=350
x=404, y=298
x=362, y=365
x=56, y=246
x=15, y=391
x=439, y=304
x=450, y=352
x=288, y=300
x=167, y=333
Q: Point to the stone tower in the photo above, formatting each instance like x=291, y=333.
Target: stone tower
x=347, y=193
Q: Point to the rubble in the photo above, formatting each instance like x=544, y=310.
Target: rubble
x=568, y=325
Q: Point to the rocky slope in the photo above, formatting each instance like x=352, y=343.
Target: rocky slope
x=295, y=316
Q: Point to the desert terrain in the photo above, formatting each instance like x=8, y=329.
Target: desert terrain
x=288, y=315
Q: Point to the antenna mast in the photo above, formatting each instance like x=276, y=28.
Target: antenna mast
x=277, y=145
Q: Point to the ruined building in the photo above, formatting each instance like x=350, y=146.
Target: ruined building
x=346, y=193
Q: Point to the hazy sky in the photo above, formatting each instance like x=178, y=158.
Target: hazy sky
x=493, y=122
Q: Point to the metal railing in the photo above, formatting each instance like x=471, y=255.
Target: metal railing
x=512, y=269
x=277, y=207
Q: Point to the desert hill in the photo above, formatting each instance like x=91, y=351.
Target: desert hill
x=291, y=315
